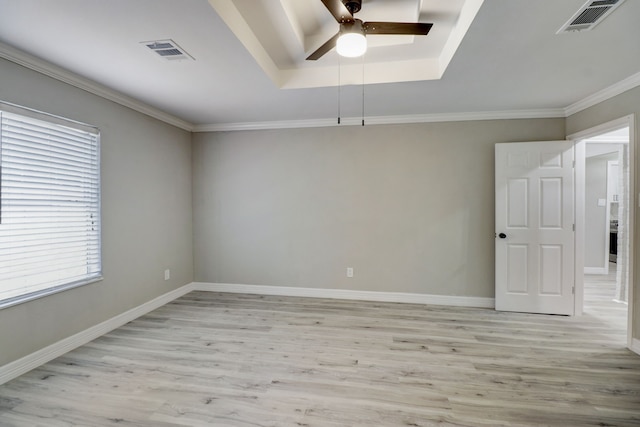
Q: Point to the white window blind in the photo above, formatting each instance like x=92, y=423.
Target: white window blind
x=50, y=207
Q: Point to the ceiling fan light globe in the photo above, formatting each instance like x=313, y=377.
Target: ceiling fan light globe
x=351, y=45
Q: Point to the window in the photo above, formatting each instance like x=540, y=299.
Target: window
x=49, y=205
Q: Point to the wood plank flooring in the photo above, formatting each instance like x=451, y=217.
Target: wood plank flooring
x=213, y=359
x=599, y=294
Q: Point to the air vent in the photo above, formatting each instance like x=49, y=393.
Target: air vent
x=589, y=15
x=167, y=49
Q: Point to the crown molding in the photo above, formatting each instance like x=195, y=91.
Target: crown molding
x=604, y=94
x=384, y=120
x=281, y=124
x=591, y=100
x=43, y=67
x=31, y=62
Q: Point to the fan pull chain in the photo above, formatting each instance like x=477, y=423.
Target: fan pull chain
x=362, y=90
x=339, y=83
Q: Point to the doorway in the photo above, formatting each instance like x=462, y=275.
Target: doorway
x=606, y=279
x=604, y=225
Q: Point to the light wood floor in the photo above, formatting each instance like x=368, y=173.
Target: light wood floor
x=599, y=294
x=211, y=359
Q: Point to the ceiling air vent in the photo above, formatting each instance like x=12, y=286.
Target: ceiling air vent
x=590, y=15
x=167, y=49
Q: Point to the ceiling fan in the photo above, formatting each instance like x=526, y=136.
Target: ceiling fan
x=350, y=40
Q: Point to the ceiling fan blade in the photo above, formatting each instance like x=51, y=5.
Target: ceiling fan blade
x=415, y=28
x=338, y=10
x=329, y=44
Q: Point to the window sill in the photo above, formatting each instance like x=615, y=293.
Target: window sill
x=10, y=302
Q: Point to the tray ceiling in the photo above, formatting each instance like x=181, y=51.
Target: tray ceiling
x=281, y=34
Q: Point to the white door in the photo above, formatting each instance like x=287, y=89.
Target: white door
x=535, y=227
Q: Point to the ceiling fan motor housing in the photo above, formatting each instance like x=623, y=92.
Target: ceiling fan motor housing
x=353, y=6
x=355, y=26
x=353, y=31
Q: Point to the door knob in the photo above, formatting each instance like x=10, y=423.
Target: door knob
x=502, y=236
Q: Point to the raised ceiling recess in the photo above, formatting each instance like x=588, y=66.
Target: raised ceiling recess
x=282, y=34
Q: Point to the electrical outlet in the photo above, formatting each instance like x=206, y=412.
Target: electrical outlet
x=349, y=271
x=167, y=274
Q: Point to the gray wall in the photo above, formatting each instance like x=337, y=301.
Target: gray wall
x=611, y=109
x=595, y=216
x=409, y=207
x=146, y=214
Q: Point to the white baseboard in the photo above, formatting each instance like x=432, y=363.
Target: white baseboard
x=635, y=346
x=25, y=364
x=595, y=270
x=347, y=294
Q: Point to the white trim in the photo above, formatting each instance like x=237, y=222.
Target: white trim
x=43, y=67
x=384, y=120
x=402, y=297
x=31, y=62
x=595, y=270
x=579, y=221
x=631, y=240
x=610, y=140
x=604, y=94
x=591, y=100
x=607, y=127
x=635, y=346
x=31, y=361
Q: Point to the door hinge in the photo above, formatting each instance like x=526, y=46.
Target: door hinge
x=574, y=164
x=573, y=227
x=573, y=290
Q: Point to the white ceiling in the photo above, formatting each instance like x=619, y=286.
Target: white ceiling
x=510, y=58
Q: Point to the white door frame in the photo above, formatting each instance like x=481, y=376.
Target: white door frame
x=580, y=148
